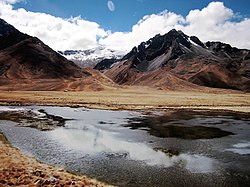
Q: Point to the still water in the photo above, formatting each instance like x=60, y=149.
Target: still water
x=127, y=148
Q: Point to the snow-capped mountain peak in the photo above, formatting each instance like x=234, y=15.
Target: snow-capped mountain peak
x=90, y=57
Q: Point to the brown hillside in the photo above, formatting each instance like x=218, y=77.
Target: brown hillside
x=26, y=63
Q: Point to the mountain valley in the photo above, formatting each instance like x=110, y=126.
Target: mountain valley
x=173, y=61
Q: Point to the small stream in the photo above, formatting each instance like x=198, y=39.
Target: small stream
x=130, y=148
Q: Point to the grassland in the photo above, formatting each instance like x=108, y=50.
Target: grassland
x=132, y=98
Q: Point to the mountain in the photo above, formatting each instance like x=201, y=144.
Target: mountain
x=176, y=61
x=171, y=61
x=89, y=58
x=23, y=56
x=27, y=63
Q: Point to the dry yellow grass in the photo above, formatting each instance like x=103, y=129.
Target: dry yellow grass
x=132, y=98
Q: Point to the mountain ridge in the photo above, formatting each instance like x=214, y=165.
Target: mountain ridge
x=210, y=64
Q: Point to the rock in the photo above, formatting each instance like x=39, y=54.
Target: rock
x=50, y=180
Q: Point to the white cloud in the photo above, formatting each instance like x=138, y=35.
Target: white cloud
x=58, y=33
x=215, y=23
x=212, y=23
x=143, y=30
x=10, y=1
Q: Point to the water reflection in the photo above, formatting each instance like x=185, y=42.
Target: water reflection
x=241, y=148
x=92, y=140
x=180, y=124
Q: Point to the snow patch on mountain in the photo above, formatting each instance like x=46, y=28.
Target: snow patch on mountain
x=90, y=57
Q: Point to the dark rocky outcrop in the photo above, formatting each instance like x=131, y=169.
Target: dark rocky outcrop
x=105, y=64
x=146, y=52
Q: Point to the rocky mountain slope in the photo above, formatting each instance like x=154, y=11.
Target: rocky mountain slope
x=175, y=60
x=27, y=63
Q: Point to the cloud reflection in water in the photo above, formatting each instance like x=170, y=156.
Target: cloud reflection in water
x=89, y=139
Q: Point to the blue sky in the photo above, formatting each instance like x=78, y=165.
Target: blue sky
x=127, y=12
x=86, y=24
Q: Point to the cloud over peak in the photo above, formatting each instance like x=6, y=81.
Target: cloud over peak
x=212, y=23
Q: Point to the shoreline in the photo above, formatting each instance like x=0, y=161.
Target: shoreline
x=139, y=107
x=18, y=169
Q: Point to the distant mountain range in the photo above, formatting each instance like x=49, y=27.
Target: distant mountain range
x=172, y=61
x=175, y=60
x=89, y=58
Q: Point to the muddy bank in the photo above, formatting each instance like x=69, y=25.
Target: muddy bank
x=35, y=119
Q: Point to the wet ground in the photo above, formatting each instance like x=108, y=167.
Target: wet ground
x=170, y=148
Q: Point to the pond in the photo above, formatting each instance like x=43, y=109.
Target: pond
x=132, y=148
